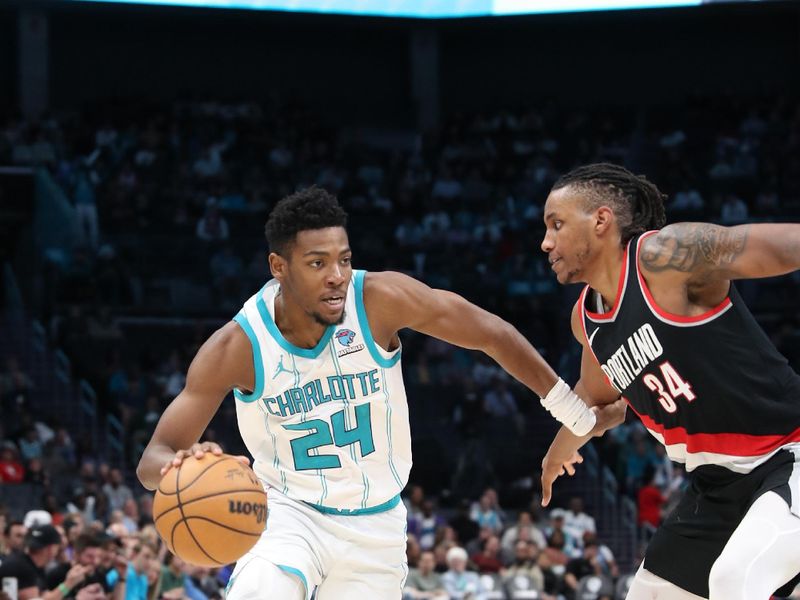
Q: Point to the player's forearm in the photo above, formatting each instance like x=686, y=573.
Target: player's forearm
x=565, y=445
x=520, y=359
x=154, y=457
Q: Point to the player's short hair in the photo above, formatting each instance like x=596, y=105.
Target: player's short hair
x=309, y=208
x=637, y=203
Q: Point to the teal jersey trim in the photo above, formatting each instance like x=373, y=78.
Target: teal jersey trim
x=297, y=573
x=258, y=364
x=269, y=322
x=358, y=285
x=327, y=510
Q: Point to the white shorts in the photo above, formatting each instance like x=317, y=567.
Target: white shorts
x=339, y=556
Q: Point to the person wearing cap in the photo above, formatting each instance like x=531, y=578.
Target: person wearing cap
x=41, y=546
x=460, y=583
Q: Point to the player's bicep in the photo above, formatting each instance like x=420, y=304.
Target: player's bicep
x=703, y=251
x=403, y=302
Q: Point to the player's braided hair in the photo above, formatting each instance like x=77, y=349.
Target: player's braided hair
x=637, y=203
x=310, y=208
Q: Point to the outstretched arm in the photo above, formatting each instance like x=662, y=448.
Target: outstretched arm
x=699, y=252
x=395, y=301
x=224, y=362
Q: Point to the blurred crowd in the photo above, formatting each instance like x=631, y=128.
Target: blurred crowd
x=169, y=203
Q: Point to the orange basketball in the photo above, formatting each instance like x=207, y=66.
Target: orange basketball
x=210, y=511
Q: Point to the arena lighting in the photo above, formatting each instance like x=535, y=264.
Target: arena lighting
x=423, y=9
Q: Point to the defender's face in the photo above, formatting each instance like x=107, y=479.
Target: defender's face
x=567, y=240
x=318, y=273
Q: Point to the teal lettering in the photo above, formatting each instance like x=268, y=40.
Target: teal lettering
x=299, y=400
x=285, y=404
x=362, y=378
x=348, y=381
x=323, y=397
x=311, y=395
x=374, y=382
x=337, y=390
x=267, y=402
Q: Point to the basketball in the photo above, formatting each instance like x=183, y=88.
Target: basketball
x=210, y=511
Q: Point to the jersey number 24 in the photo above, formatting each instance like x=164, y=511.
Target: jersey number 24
x=305, y=450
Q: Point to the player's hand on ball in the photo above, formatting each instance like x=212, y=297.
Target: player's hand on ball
x=198, y=451
x=553, y=469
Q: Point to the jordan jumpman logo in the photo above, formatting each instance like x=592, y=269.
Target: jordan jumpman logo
x=281, y=368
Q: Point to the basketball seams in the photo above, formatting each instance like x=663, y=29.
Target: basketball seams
x=196, y=477
x=228, y=527
x=183, y=516
x=197, y=499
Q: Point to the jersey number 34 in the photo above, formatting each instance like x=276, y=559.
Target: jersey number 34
x=676, y=386
x=305, y=450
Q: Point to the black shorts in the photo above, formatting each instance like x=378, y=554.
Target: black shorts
x=691, y=538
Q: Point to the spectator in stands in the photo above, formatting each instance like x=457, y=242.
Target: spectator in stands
x=526, y=564
x=413, y=551
x=637, y=462
x=85, y=561
x=135, y=578
x=485, y=514
x=212, y=227
x=116, y=491
x=576, y=522
x=524, y=530
x=555, y=549
x=488, y=559
x=578, y=568
x=568, y=544
x=605, y=557
x=423, y=583
x=465, y=527
x=427, y=525
x=650, y=500
x=11, y=470
x=14, y=537
x=460, y=583
x=172, y=577
x=41, y=546
x=130, y=515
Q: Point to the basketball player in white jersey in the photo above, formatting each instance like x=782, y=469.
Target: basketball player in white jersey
x=313, y=359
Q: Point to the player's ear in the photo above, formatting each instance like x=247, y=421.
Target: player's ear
x=277, y=265
x=603, y=220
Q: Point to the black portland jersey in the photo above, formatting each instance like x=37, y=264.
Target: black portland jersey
x=712, y=388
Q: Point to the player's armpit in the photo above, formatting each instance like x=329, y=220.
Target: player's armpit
x=224, y=362
x=702, y=251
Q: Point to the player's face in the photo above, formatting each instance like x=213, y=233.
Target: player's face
x=317, y=274
x=567, y=240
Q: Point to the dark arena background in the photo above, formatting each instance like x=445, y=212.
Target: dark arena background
x=142, y=147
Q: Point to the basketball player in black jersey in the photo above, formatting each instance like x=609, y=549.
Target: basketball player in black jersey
x=663, y=327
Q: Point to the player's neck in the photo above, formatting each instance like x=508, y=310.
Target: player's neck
x=606, y=273
x=295, y=325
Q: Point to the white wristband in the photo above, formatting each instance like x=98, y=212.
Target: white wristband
x=569, y=409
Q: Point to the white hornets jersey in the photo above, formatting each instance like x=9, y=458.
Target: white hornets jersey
x=326, y=425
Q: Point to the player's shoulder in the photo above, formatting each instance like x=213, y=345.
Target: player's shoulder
x=385, y=285
x=227, y=346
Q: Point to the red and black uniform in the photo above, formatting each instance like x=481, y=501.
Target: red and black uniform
x=717, y=393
